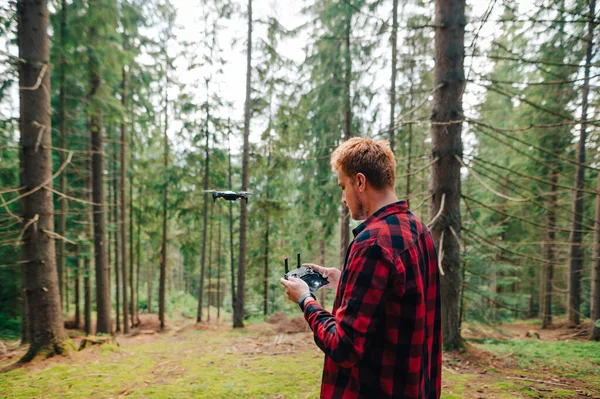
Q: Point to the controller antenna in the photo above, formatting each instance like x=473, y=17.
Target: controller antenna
x=287, y=269
x=299, y=264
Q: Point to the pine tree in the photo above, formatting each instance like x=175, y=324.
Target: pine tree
x=45, y=322
x=446, y=146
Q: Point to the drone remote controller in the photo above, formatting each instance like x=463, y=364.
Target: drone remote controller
x=313, y=278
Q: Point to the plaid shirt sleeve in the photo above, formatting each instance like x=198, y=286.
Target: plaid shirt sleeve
x=344, y=336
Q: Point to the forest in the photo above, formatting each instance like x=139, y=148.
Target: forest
x=118, y=119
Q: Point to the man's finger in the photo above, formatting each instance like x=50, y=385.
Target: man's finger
x=284, y=282
x=318, y=268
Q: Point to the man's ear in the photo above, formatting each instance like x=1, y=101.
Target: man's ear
x=361, y=181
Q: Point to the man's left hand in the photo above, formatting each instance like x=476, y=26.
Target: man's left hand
x=294, y=288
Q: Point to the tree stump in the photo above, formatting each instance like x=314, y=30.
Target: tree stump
x=91, y=340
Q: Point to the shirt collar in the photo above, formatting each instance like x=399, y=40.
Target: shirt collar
x=396, y=207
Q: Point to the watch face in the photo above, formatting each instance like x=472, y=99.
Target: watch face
x=313, y=278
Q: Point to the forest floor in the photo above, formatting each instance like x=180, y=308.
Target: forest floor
x=280, y=360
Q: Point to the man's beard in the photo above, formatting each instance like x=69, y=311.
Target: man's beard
x=360, y=212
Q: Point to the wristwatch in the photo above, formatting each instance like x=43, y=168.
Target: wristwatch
x=303, y=298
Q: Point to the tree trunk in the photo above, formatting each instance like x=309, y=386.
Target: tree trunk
x=103, y=301
x=87, y=263
x=205, y=226
x=25, y=331
x=266, y=243
x=549, y=255
x=117, y=241
x=163, y=258
x=133, y=281
x=62, y=221
x=410, y=144
x=238, y=314
x=208, y=272
x=576, y=252
x=595, y=291
x=138, y=258
x=87, y=295
x=219, y=266
x=449, y=81
x=38, y=248
x=123, y=224
x=394, y=44
x=323, y=292
x=345, y=220
x=78, y=288
x=233, y=290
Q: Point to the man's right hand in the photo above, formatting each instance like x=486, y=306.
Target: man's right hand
x=330, y=273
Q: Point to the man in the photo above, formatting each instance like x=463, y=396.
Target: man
x=383, y=338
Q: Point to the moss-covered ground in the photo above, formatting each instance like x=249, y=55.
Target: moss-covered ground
x=260, y=362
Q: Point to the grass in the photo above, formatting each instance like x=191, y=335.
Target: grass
x=199, y=364
x=258, y=363
x=574, y=359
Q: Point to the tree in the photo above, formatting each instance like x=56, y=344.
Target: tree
x=123, y=224
x=446, y=146
x=38, y=251
x=394, y=45
x=103, y=301
x=238, y=314
x=206, y=202
x=62, y=223
x=576, y=254
x=163, y=257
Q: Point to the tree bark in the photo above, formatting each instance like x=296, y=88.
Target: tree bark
x=576, y=252
x=394, y=44
x=238, y=315
x=266, y=243
x=117, y=241
x=595, y=289
x=38, y=248
x=549, y=255
x=87, y=288
x=133, y=280
x=219, y=266
x=205, y=226
x=123, y=224
x=233, y=290
x=208, y=272
x=163, y=258
x=62, y=220
x=410, y=143
x=446, y=143
x=103, y=301
x=323, y=292
x=345, y=220
x=78, y=288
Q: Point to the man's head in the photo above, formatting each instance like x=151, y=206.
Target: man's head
x=366, y=171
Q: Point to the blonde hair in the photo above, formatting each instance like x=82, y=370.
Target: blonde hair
x=373, y=158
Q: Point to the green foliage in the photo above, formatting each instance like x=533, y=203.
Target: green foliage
x=181, y=304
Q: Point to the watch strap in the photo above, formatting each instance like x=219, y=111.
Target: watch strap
x=303, y=298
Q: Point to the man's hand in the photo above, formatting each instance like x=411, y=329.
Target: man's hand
x=330, y=273
x=294, y=288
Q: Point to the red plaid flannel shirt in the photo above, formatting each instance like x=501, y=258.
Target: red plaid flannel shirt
x=383, y=339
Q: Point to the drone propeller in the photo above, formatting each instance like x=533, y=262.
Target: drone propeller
x=209, y=191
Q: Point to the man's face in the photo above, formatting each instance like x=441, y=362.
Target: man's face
x=351, y=196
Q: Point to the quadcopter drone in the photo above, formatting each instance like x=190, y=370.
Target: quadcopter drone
x=229, y=195
x=313, y=278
